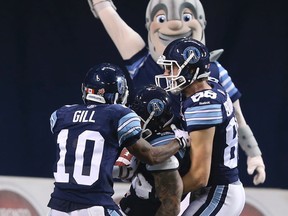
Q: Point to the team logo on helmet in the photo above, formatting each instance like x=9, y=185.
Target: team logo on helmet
x=121, y=85
x=157, y=106
x=190, y=50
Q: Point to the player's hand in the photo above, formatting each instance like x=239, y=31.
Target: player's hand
x=124, y=158
x=95, y=5
x=256, y=165
x=132, y=167
x=182, y=136
x=127, y=165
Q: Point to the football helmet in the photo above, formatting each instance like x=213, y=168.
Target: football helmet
x=191, y=60
x=105, y=83
x=154, y=107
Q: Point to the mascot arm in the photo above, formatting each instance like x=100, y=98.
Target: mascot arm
x=127, y=41
x=247, y=140
x=248, y=143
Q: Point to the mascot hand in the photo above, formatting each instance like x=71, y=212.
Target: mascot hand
x=97, y=5
x=256, y=164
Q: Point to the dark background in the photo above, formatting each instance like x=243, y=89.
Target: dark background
x=46, y=47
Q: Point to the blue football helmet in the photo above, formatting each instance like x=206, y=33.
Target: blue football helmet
x=154, y=106
x=105, y=83
x=191, y=60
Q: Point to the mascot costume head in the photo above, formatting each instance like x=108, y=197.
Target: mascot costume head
x=167, y=20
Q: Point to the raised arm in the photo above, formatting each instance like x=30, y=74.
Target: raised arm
x=127, y=41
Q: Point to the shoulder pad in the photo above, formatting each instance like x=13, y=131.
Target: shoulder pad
x=215, y=54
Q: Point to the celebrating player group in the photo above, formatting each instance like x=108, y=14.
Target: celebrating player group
x=172, y=134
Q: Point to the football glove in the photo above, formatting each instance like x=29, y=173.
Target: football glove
x=182, y=136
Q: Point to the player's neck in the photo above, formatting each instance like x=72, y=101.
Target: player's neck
x=196, y=87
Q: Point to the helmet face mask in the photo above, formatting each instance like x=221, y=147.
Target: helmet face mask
x=174, y=81
x=105, y=83
x=184, y=60
x=154, y=107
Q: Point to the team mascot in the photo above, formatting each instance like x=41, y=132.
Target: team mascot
x=167, y=20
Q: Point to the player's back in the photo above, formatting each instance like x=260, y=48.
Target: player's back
x=89, y=138
x=213, y=108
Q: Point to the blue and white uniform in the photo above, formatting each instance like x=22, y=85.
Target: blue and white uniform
x=225, y=192
x=143, y=69
x=89, y=140
x=141, y=199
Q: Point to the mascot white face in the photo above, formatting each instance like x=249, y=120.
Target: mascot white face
x=167, y=20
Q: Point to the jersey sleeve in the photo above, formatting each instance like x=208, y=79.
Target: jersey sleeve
x=53, y=120
x=220, y=74
x=204, y=113
x=135, y=62
x=129, y=129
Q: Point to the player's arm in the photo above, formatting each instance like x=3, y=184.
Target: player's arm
x=201, y=144
x=127, y=41
x=250, y=146
x=154, y=155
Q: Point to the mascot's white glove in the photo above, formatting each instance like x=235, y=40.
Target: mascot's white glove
x=181, y=136
x=250, y=146
x=256, y=164
x=98, y=5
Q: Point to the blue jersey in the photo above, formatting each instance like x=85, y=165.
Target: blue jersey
x=213, y=108
x=148, y=203
x=89, y=140
x=143, y=69
x=159, y=139
x=220, y=75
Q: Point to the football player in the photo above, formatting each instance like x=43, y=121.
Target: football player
x=167, y=20
x=156, y=189
x=212, y=126
x=89, y=139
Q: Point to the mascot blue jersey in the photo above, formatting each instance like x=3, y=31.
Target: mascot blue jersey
x=143, y=68
x=214, y=108
x=89, y=139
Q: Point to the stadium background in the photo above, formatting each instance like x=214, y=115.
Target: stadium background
x=46, y=47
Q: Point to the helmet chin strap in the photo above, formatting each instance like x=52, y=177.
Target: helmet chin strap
x=147, y=132
x=178, y=89
x=195, y=75
x=116, y=98
x=125, y=97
